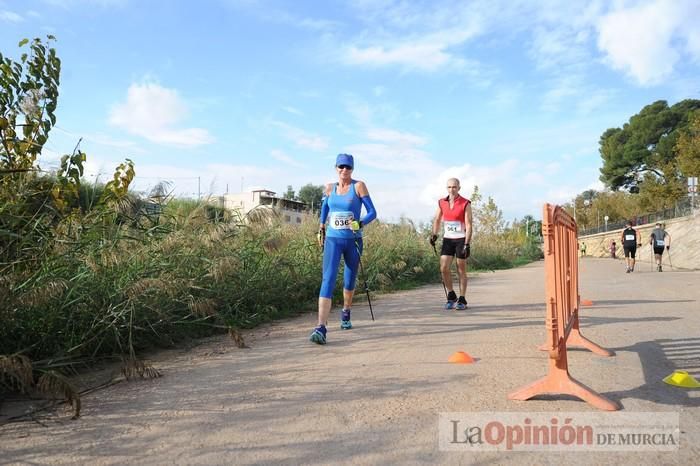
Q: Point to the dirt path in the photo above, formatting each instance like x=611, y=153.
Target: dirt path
x=373, y=394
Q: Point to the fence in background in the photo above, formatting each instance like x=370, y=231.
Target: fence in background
x=681, y=209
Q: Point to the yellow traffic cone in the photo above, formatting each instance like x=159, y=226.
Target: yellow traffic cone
x=682, y=379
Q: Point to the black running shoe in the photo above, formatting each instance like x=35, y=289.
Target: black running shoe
x=461, y=303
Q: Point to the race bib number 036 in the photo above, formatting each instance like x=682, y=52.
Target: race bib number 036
x=341, y=220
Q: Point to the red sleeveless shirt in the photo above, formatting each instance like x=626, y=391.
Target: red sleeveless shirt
x=453, y=218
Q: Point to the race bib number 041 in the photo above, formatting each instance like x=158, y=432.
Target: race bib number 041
x=453, y=229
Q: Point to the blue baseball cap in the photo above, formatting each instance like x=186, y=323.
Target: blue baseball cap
x=344, y=159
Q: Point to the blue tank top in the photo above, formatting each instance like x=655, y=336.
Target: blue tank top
x=343, y=209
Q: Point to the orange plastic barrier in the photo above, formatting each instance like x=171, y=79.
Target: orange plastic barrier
x=562, y=324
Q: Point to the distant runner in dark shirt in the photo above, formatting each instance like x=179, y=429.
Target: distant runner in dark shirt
x=630, y=238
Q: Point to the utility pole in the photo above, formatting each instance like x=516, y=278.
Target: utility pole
x=199, y=188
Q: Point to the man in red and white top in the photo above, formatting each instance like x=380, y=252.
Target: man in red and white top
x=455, y=214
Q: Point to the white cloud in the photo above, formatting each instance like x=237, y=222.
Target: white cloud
x=155, y=112
x=207, y=180
x=563, y=88
x=492, y=180
x=428, y=52
x=396, y=137
x=569, y=92
x=560, y=32
x=365, y=114
x=412, y=36
x=69, y=4
x=362, y=112
x=293, y=111
x=283, y=157
x=101, y=139
x=643, y=40
x=506, y=97
x=421, y=56
x=594, y=100
x=219, y=178
x=269, y=13
x=693, y=36
x=563, y=193
x=552, y=168
x=395, y=151
x=10, y=16
x=302, y=138
x=551, y=46
x=417, y=180
x=392, y=157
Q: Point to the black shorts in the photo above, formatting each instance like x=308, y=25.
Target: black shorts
x=630, y=251
x=453, y=247
x=658, y=250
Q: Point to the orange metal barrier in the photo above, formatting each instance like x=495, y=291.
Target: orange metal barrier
x=562, y=323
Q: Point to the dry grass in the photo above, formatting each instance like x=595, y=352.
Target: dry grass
x=17, y=371
x=237, y=337
x=145, y=285
x=132, y=368
x=56, y=386
x=43, y=294
x=203, y=307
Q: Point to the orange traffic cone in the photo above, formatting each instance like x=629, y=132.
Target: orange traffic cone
x=460, y=357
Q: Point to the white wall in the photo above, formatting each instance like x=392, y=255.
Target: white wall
x=685, y=242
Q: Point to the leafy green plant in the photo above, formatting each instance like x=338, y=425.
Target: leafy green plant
x=28, y=100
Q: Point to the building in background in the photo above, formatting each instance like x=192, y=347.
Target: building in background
x=289, y=211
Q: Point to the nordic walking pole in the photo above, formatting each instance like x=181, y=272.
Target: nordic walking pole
x=441, y=279
x=364, y=277
x=669, y=257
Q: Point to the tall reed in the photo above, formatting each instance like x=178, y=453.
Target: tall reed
x=117, y=285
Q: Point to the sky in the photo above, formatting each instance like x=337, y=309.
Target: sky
x=219, y=96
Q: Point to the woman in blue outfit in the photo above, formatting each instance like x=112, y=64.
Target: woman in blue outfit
x=341, y=237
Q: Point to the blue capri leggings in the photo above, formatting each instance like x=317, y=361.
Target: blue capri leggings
x=333, y=250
